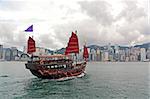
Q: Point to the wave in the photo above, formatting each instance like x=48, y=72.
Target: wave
x=69, y=78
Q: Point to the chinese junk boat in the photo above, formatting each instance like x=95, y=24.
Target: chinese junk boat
x=57, y=66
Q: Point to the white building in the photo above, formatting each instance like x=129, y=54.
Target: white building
x=105, y=56
x=98, y=58
x=93, y=55
x=127, y=59
x=116, y=49
x=41, y=51
x=143, y=54
x=133, y=58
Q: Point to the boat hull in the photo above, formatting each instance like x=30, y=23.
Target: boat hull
x=42, y=71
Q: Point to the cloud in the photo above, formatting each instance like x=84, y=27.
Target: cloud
x=6, y=31
x=8, y=5
x=94, y=30
x=49, y=41
x=85, y=29
x=9, y=37
x=98, y=10
x=131, y=11
x=103, y=27
x=98, y=22
x=135, y=26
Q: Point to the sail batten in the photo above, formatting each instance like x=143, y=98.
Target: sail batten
x=31, y=46
x=73, y=46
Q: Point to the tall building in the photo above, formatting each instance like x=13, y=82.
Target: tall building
x=98, y=57
x=132, y=58
x=111, y=58
x=148, y=53
x=105, y=56
x=3, y=54
x=14, y=53
x=121, y=55
x=109, y=47
x=93, y=55
x=1, y=51
x=116, y=50
x=8, y=54
x=127, y=52
x=143, y=54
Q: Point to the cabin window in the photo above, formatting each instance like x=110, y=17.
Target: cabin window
x=64, y=66
x=48, y=66
x=52, y=66
x=56, y=66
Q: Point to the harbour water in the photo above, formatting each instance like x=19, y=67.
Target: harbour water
x=102, y=81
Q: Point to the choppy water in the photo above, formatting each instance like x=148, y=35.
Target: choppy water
x=102, y=81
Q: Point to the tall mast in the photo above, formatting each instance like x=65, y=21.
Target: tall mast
x=76, y=53
x=31, y=43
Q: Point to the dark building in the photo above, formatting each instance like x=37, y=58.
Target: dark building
x=1, y=51
x=14, y=53
x=8, y=54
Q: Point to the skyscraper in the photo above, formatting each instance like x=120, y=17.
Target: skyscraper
x=8, y=54
x=1, y=51
x=14, y=53
x=93, y=55
x=143, y=54
x=105, y=56
x=98, y=54
x=116, y=56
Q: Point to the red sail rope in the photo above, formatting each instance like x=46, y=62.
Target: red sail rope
x=31, y=46
x=73, y=46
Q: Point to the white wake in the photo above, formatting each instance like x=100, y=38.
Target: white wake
x=68, y=78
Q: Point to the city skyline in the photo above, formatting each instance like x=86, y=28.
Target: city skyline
x=107, y=53
x=81, y=47
x=124, y=22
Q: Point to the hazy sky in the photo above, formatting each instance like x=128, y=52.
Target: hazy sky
x=123, y=22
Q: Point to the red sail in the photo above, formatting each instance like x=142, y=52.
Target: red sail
x=31, y=46
x=85, y=53
x=73, y=46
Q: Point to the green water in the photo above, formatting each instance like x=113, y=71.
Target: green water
x=102, y=81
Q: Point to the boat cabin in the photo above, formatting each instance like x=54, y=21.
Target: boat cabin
x=53, y=61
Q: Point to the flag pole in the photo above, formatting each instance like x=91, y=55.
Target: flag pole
x=30, y=29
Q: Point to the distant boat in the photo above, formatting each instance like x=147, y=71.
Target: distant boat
x=58, y=66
